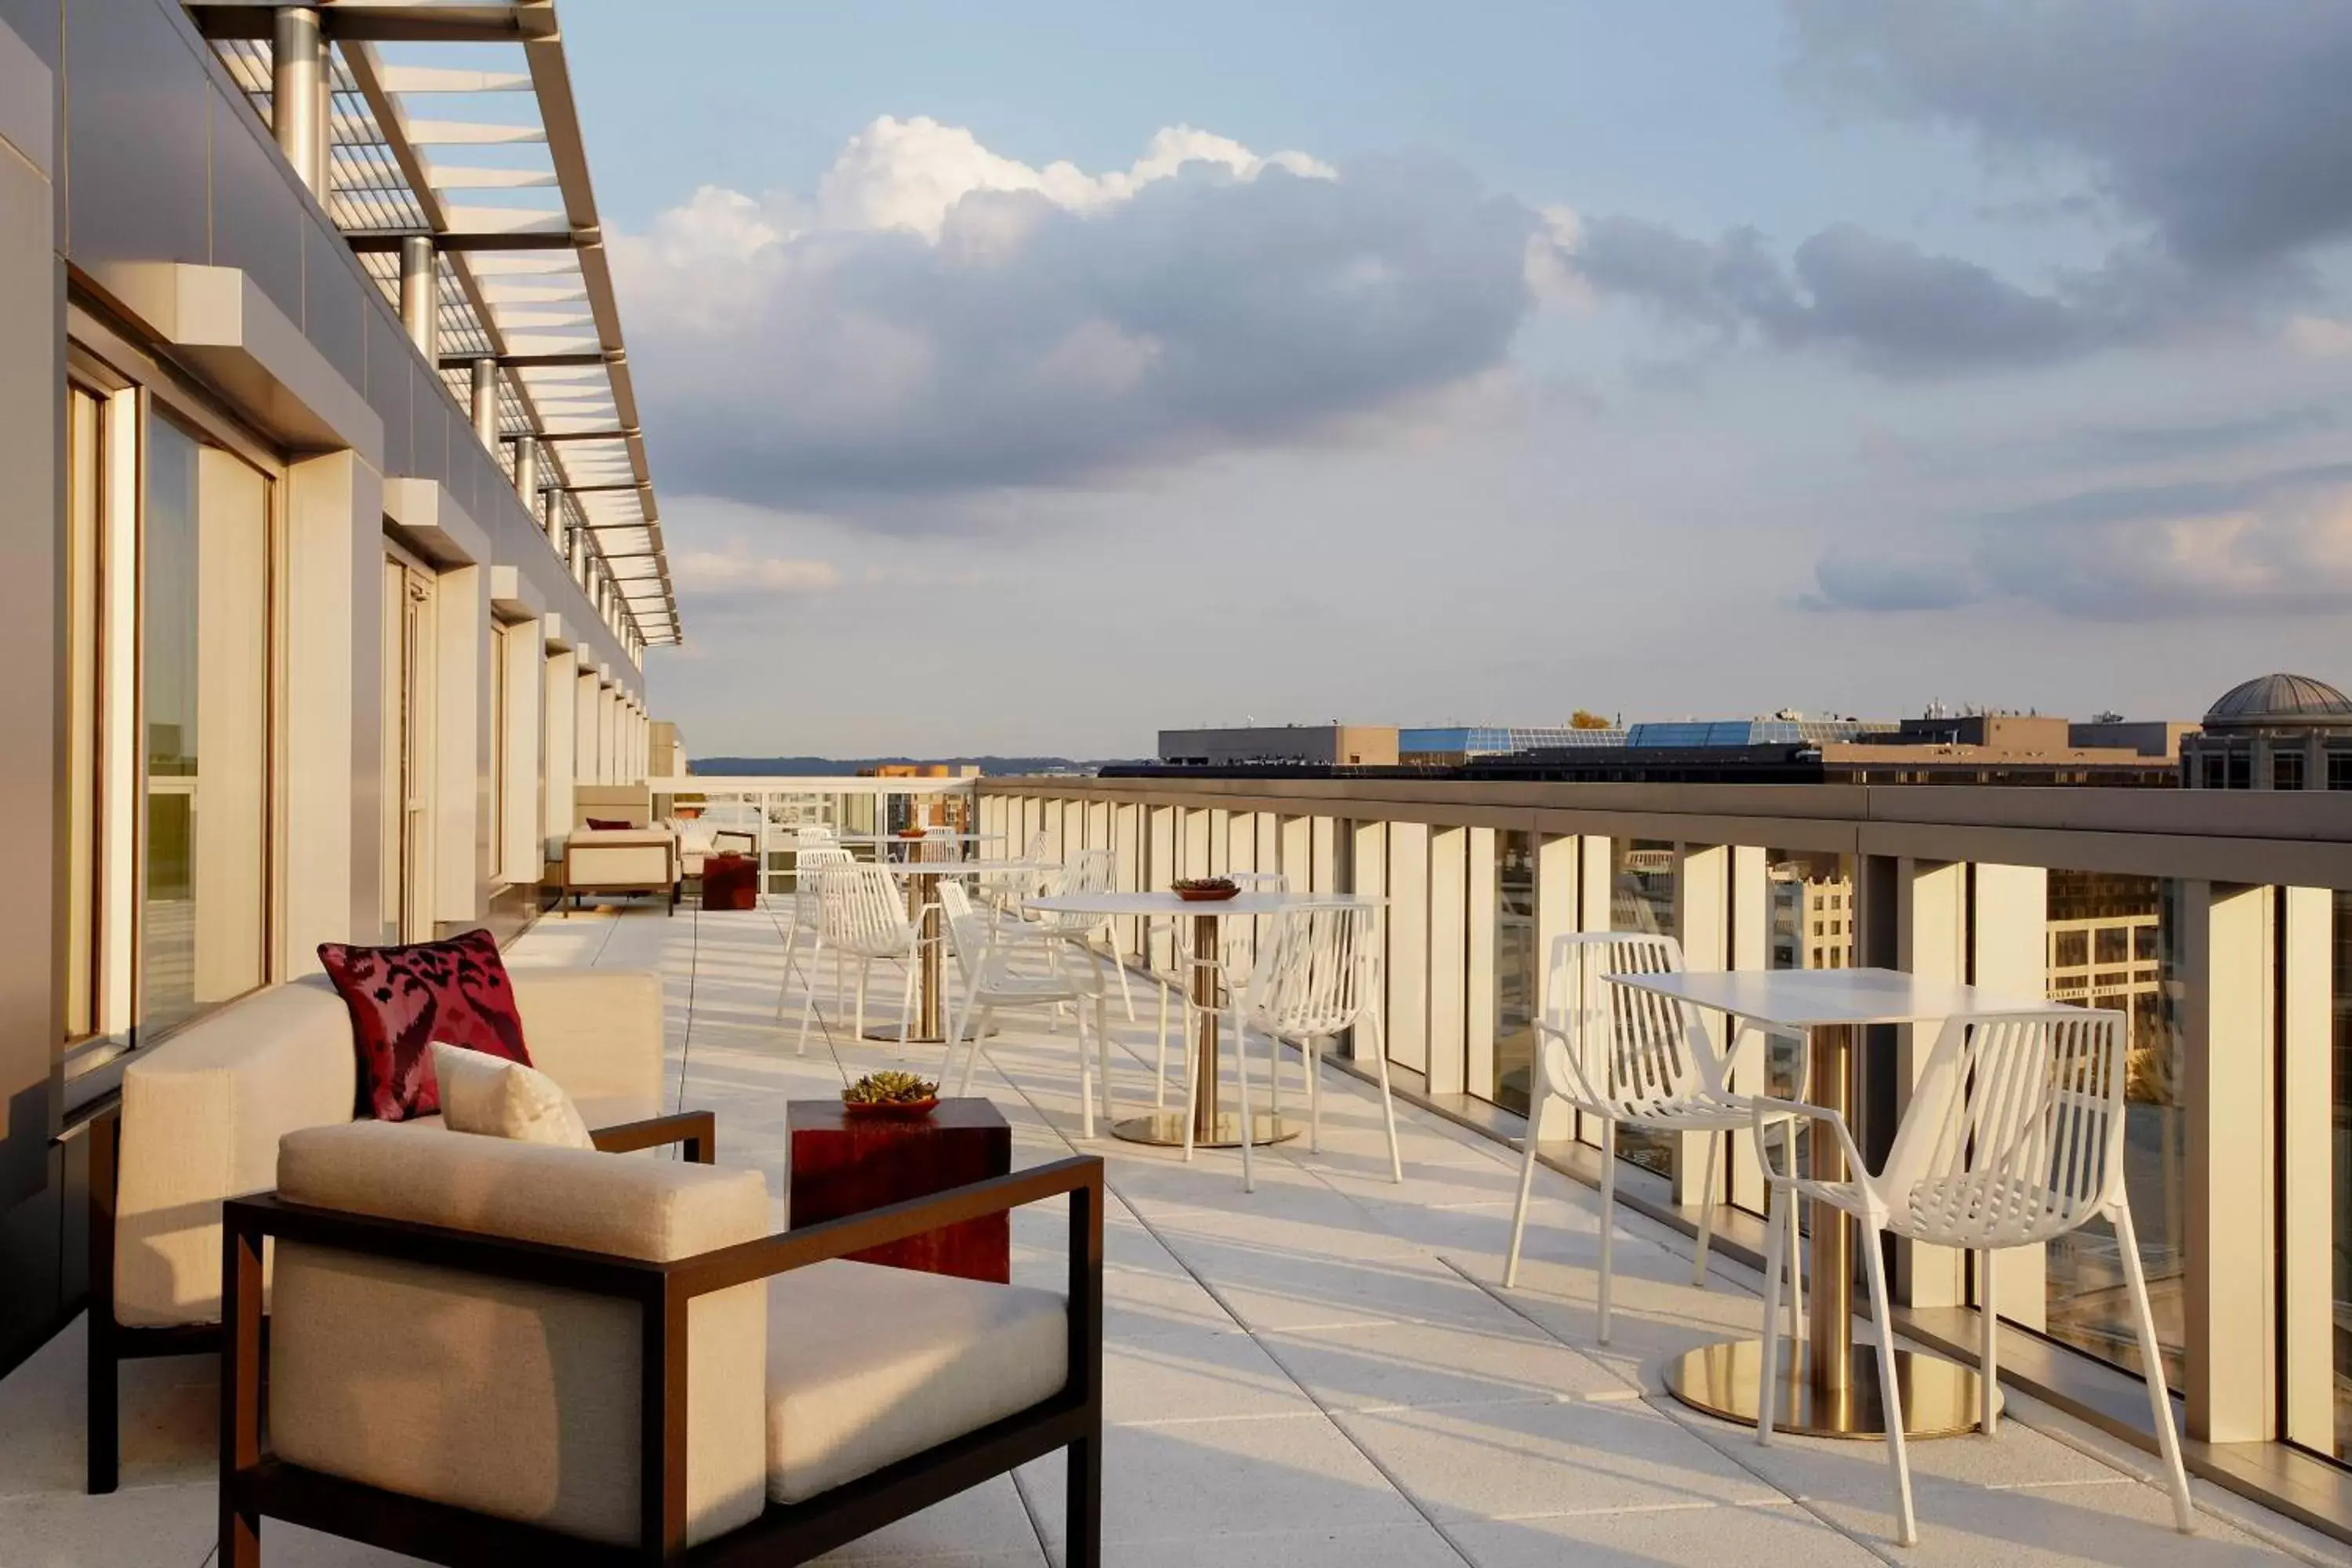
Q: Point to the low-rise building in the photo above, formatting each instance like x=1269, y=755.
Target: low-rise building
x=2274, y=732
x=1329, y=745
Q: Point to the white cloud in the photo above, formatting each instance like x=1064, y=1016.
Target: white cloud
x=938, y=322
x=738, y=571
x=2319, y=337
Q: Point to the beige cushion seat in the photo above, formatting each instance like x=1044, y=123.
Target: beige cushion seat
x=521, y=1400
x=868, y=1365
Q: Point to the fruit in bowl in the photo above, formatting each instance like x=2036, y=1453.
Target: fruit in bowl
x=890, y=1093
x=1204, y=889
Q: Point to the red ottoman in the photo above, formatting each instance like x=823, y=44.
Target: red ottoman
x=844, y=1164
x=730, y=882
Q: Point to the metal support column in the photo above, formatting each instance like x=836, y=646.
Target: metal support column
x=297, y=74
x=526, y=472
x=486, y=402
x=420, y=294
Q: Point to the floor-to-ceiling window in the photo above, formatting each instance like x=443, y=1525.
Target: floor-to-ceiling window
x=1643, y=882
x=204, y=705
x=1516, y=966
x=86, y=667
x=2113, y=943
x=2340, y=1172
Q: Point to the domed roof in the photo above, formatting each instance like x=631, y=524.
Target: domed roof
x=2270, y=700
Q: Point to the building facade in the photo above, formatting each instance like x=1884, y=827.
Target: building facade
x=333, y=558
x=2273, y=732
x=1327, y=745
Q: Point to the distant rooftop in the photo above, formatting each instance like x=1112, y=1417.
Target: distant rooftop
x=2269, y=700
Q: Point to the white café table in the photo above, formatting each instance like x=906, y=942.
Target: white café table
x=1212, y=1128
x=1828, y=1385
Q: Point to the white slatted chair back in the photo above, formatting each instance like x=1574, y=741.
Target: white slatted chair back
x=810, y=861
x=1089, y=871
x=811, y=835
x=1317, y=970
x=1627, y=1053
x=862, y=910
x=2015, y=1132
x=928, y=850
x=967, y=930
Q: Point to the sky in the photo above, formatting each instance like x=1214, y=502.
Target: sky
x=1024, y=378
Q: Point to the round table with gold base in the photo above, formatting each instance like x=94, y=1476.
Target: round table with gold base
x=1938, y=1396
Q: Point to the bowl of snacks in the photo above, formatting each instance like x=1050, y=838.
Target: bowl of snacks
x=910, y=832
x=1205, y=890
x=891, y=1094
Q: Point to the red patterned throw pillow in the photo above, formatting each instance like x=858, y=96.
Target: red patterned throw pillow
x=402, y=999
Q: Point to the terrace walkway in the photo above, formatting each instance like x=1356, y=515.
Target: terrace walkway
x=1322, y=1374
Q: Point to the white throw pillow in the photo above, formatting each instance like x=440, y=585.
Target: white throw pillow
x=489, y=1095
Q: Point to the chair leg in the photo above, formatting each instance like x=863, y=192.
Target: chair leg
x=1086, y=1075
x=1310, y=1057
x=1082, y=1517
x=956, y=1012
x=1706, y=1210
x=979, y=1043
x=1608, y=1222
x=808, y=1008
x=865, y=970
x=104, y=1434
x=1191, y=1084
x=1527, y=1188
x=1242, y=1114
x=2160, y=1398
x=1988, y=1337
x=1160, y=1073
x=1127, y=997
x=1102, y=1054
x=906, y=999
x=1768, y=1367
x=1796, y=1262
x=1388, y=1101
x=1898, y=1458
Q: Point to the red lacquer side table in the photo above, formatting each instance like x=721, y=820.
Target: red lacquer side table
x=844, y=1164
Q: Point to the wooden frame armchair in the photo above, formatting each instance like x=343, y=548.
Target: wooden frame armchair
x=256, y=1483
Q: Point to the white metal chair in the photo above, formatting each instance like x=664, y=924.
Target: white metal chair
x=804, y=914
x=862, y=914
x=2014, y=1136
x=1318, y=973
x=1095, y=871
x=984, y=958
x=1626, y=1058
x=1003, y=891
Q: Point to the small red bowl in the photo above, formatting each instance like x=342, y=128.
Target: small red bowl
x=896, y=1111
x=1207, y=895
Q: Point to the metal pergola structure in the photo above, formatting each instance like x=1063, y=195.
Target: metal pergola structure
x=441, y=137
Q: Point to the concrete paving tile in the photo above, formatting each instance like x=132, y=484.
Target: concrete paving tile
x=1755, y=1537
x=1193, y=1374
x=2117, y=1522
x=1216, y=1478
x=1504, y=1461
x=164, y=1525
x=170, y=1414
x=987, y=1525
x=1413, y=1545
x=1371, y=1366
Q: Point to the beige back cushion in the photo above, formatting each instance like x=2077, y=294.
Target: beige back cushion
x=632, y=804
x=202, y=1112
x=626, y=857
x=515, y=1400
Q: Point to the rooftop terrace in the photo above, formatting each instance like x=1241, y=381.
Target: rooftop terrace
x=1325, y=1372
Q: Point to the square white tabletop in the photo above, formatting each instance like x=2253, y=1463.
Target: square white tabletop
x=1802, y=998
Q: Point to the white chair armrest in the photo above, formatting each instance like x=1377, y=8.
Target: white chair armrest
x=1768, y=1112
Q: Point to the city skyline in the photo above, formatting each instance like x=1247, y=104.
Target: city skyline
x=1700, y=362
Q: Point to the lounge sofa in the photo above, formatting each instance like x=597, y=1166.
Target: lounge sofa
x=482, y=1351
x=629, y=853
x=202, y=1114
